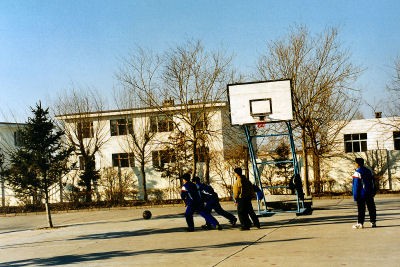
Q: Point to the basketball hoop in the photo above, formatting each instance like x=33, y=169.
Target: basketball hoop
x=260, y=124
x=249, y=102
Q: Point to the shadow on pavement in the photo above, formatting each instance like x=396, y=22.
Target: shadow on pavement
x=123, y=234
x=100, y=256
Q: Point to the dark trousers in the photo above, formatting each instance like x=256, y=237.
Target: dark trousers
x=245, y=210
x=370, y=203
x=216, y=206
x=190, y=210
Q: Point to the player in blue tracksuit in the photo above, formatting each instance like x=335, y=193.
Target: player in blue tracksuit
x=210, y=197
x=194, y=203
x=363, y=193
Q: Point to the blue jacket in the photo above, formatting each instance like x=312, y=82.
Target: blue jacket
x=207, y=193
x=363, y=184
x=191, y=195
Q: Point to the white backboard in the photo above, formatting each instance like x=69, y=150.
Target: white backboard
x=253, y=102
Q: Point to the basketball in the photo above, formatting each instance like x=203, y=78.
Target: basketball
x=146, y=214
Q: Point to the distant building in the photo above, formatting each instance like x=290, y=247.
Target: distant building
x=9, y=140
x=377, y=141
x=169, y=131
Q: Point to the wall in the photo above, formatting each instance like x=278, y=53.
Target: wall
x=380, y=156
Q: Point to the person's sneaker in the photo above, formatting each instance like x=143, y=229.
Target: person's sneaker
x=244, y=228
x=373, y=225
x=233, y=222
x=219, y=227
x=358, y=226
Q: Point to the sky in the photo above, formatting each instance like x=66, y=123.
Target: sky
x=49, y=46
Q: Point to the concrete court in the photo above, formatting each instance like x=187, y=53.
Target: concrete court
x=120, y=237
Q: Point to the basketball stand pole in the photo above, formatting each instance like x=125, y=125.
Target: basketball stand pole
x=256, y=172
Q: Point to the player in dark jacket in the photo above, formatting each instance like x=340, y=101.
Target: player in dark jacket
x=363, y=193
x=210, y=197
x=243, y=192
x=194, y=203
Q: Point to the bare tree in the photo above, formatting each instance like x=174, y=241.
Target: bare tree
x=116, y=186
x=138, y=139
x=139, y=75
x=393, y=106
x=196, y=79
x=79, y=113
x=322, y=76
x=184, y=91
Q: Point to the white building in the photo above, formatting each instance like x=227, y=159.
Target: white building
x=377, y=141
x=120, y=159
x=9, y=140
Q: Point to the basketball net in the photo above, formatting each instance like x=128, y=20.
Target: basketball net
x=260, y=124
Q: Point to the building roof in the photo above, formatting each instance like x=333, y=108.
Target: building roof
x=143, y=110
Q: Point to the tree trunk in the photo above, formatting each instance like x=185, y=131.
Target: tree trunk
x=317, y=173
x=143, y=176
x=305, y=162
x=3, y=196
x=46, y=199
x=389, y=163
x=88, y=193
x=194, y=162
x=61, y=190
x=207, y=172
x=49, y=221
x=120, y=194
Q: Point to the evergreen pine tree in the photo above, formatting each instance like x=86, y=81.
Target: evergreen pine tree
x=40, y=160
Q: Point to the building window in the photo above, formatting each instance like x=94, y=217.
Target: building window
x=85, y=129
x=123, y=160
x=82, y=164
x=201, y=154
x=355, y=142
x=18, y=138
x=162, y=157
x=396, y=140
x=161, y=123
x=200, y=119
x=121, y=127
